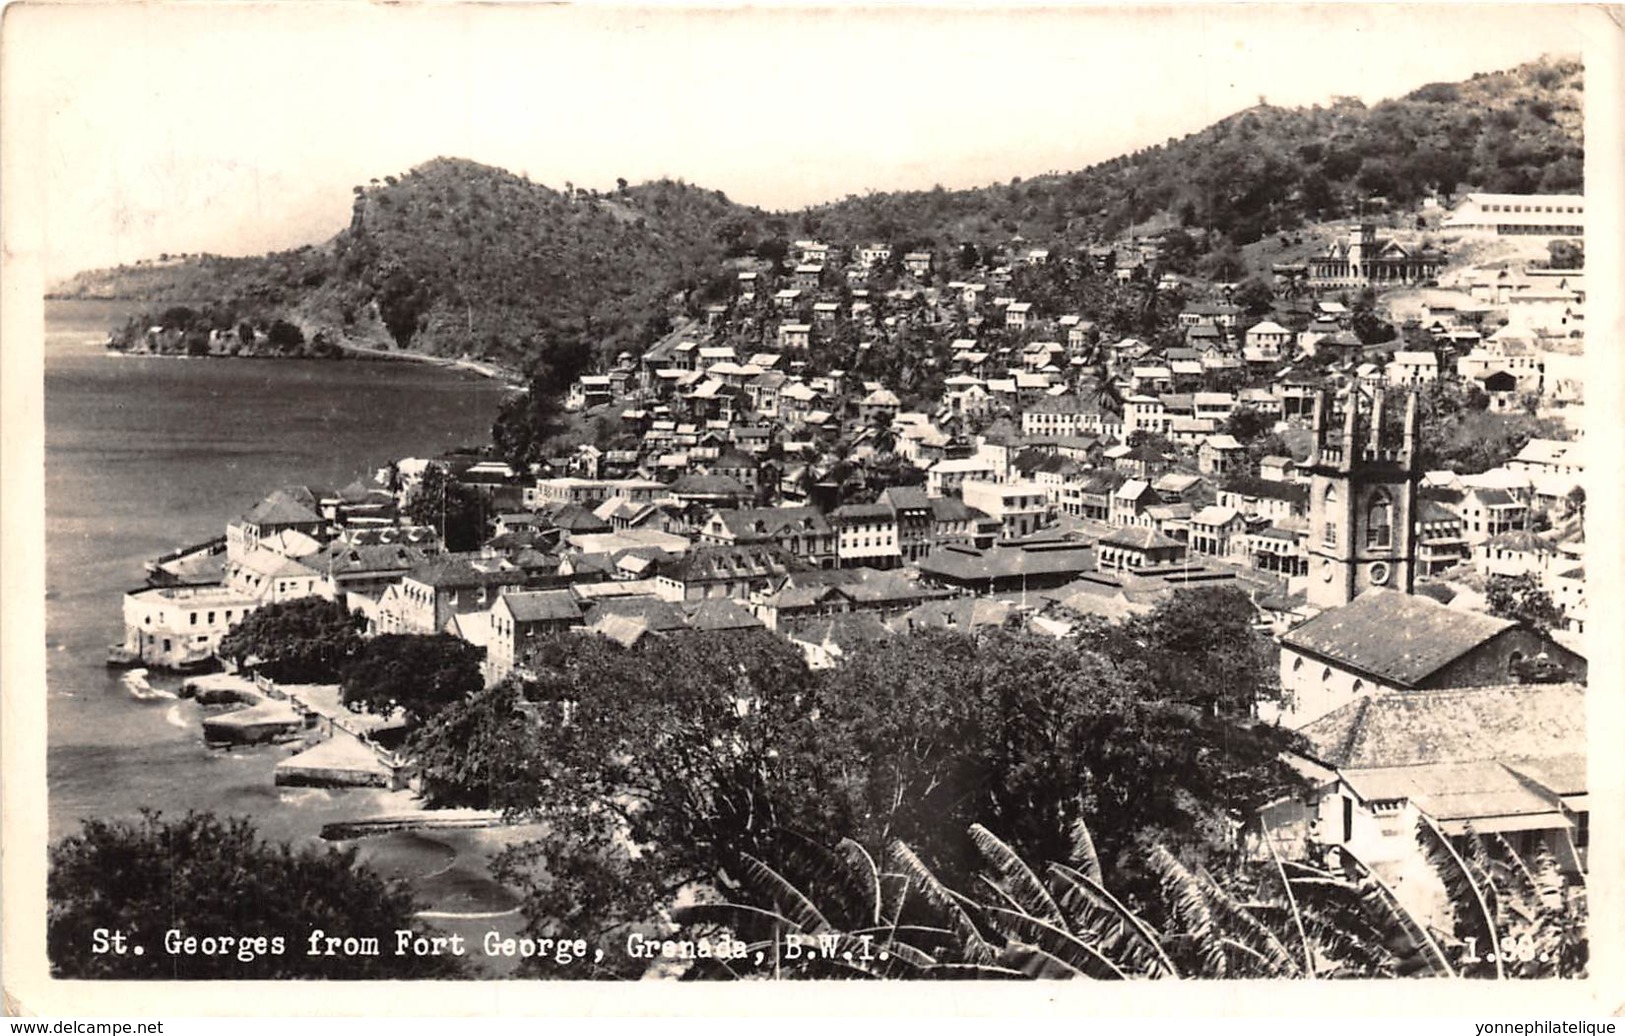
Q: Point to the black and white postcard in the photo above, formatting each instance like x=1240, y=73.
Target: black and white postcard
x=517, y=498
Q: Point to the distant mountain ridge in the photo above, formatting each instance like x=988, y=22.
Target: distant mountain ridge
x=457, y=257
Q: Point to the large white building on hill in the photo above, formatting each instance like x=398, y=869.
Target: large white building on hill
x=1536, y=215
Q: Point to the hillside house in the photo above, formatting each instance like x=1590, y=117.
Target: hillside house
x=1486, y=513
x=1020, y=508
x=1275, y=502
x=1360, y=258
x=1413, y=369
x=1269, y=338
x=1440, y=544
x=1218, y=532
x=1519, y=215
x=1220, y=455
x=431, y=593
x=294, y=509
x=801, y=532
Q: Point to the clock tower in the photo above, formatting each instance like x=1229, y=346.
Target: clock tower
x=1362, y=497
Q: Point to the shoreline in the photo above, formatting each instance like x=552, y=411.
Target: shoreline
x=509, y=379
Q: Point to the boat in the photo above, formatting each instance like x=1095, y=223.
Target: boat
x=121, y=657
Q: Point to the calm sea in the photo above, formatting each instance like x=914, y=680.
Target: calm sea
x=144, y=454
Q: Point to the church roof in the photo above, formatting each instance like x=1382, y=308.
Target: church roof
x=1394, y=637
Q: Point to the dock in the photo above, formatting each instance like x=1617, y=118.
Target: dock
x=338, y=762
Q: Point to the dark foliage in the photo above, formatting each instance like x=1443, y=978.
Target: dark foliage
x=202, y=876
x=456, y=511
x=308, y=640
x=420, y=674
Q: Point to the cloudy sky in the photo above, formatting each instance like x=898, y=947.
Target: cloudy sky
x=237, y=129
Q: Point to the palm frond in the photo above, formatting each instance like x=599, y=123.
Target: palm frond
x=976, y=948
x=745, y=921
x=1292, y=903
x=844, y=893
x=1381, y=900
x=1264, y=943
x=1474, y=916
x=1188, y=907
x=1140, y=942
x=789, y=900
x=1017, y=926
x=863, y=867
x=1083, y=855
x=1037, y=962
x=1018, y=878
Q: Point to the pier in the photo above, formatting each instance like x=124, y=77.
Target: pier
x=344, y=753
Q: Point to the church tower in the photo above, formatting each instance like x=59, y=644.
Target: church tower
x=1362, y=498
x=1362, y=249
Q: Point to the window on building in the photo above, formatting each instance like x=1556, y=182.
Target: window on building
x=1379, y=521
x=1326, y=675
x=1328, y=535
x=193, y=617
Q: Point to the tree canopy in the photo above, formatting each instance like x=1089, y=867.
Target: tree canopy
x=661, y=776
x=457, y=511
x=307, y=640
x=209, y=879
x=417, y=673
x=1522, y=598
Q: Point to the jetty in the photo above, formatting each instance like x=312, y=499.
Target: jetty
x=341, y=750
x=416, y=820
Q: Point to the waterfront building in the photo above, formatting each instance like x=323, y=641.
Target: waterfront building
x=176, y=627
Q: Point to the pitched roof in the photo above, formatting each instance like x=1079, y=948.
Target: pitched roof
x=768, y=523
x=1395, y=637
x=905, y=498
x=720, y=613
x=1138, y=537
x=746, y=561
x=449, y=571
x=281, y=508
x=957, y=613
x=1292, y=492
x=1516, y=721
x=860, y=513
x=543, y=606
x=845, y=631
x=707, y=485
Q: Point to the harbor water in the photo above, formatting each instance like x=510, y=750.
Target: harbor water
x=146, y=454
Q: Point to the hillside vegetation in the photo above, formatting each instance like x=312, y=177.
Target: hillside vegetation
x=1268, y=169
x=459, y=258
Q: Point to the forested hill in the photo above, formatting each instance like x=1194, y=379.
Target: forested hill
x=459, y=256
x=456, y=257
x=1268, y=169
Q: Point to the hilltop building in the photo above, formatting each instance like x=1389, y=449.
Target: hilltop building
x=1538, y=215
x=1362, y=259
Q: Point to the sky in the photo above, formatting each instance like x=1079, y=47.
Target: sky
x=237, y=129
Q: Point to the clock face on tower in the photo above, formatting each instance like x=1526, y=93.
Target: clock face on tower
x=1327, y=569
